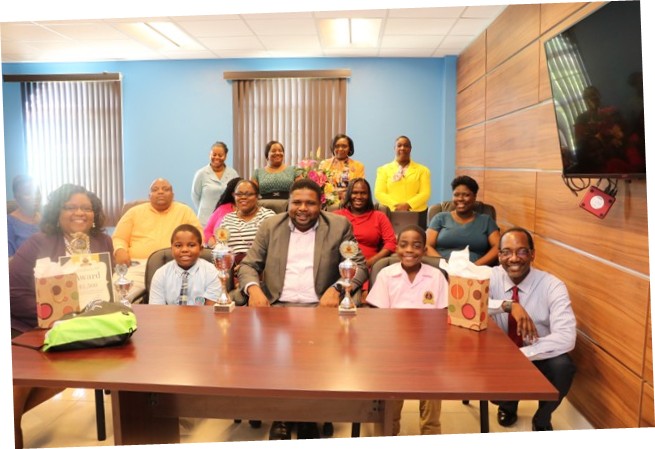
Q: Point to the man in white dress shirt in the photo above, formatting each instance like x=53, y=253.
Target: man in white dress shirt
x=538, y=308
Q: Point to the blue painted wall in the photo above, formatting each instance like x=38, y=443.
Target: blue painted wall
x=174, y=110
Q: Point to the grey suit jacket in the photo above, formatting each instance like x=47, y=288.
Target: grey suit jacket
x=268, y=254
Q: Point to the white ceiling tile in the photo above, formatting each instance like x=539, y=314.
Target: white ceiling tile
x=443, y=13
x=291, y=43
x=87, y=31
x=28, y=32
x=368, y=14
x=406, y=32
x=276, y=16
x=283, y=27
x=215, y=28
x=406, y=52
x=411, y=41
x=418, y=26
x=241, y=54
x=231, y=43
x=352, y=52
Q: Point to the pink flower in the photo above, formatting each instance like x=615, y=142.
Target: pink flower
x=318, y=177
x=306, y=163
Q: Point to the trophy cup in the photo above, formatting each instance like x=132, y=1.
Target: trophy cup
x=348, y=270
x=223, y=260
x=123, y=284
x=79, y=243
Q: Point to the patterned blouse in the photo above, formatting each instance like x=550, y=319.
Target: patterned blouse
x=275, y=185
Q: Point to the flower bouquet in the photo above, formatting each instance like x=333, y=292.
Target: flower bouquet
x=308, y=168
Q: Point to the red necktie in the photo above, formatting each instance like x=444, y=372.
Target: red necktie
x=511, y=322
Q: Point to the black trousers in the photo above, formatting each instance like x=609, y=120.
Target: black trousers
x=559, y=371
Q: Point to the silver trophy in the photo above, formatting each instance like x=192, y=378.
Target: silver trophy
x=348, y=270
x=223, y=257
x=123, y=285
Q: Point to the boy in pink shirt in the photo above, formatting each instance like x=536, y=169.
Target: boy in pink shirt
x=411, y=284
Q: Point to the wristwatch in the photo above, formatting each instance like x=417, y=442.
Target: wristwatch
x=507, y=306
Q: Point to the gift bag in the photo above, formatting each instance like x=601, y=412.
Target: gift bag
x=468, y=291
x=56, y=296
x=468, y=302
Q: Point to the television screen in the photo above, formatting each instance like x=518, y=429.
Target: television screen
x=595, y=70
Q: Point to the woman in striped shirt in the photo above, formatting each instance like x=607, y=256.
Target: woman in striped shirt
x=244, y=221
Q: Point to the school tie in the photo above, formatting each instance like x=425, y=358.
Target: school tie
x=511, y=322
x=184, y=289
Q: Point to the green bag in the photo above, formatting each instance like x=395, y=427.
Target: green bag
x=100, y=324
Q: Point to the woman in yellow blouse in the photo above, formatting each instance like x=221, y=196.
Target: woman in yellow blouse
x=403, y=185
x=342, y=168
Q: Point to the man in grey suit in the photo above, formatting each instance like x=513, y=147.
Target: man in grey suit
x=298, y=254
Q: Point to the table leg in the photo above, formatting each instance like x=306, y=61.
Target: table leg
x=484, y=416
x=101, y=428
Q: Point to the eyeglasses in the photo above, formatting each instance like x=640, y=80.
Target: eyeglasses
x=522, y=253
x=74, y=208
x=244, y=194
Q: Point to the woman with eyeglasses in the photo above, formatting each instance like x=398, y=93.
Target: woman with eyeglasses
x=72, y=212
x=245, y=220
x=341, y=166
x=462, y=227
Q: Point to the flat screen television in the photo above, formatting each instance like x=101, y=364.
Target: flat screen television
x=595, y=70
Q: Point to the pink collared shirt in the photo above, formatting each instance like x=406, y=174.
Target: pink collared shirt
x=299, y=275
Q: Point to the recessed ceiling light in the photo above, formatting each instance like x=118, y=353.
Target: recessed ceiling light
x=349, y=33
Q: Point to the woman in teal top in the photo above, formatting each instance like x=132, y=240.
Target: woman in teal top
x=275, y=179
x=452, y=231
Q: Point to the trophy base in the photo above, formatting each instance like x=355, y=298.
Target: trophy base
x=347, y=311
x=224, y=308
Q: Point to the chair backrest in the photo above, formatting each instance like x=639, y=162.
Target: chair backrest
x=376, y=206
x=275, y=204
x=389, y=260
x=160, y=258
x=129, y=205
x=401, y=219
x=447, y=206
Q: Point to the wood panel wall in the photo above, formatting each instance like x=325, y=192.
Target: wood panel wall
x=507, y=139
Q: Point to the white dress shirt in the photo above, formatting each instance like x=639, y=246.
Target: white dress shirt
x=546, y=299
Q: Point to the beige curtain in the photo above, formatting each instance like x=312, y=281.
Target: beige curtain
x=73, y=132
x=304, y=113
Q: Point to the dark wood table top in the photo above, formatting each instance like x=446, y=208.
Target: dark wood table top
x=294, y=352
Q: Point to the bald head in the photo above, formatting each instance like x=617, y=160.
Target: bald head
x=161, y=194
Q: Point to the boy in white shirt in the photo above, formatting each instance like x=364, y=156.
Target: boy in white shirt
x=202, y=284
x=411, y=284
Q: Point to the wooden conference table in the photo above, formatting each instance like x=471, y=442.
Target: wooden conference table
x=291, y=364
